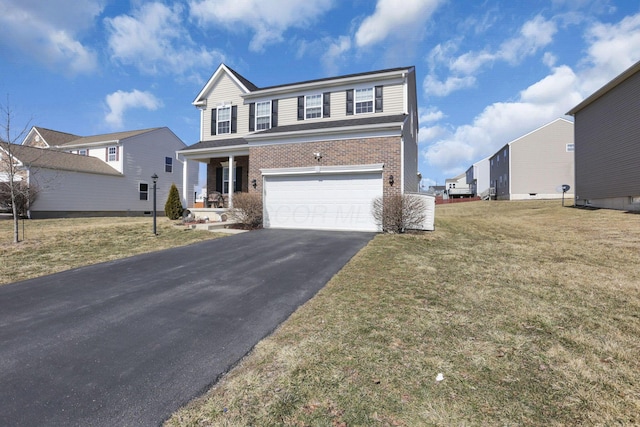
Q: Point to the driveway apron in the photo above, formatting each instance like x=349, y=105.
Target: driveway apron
x=128, y=342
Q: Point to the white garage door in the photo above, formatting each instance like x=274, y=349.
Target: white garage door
x=322, y=202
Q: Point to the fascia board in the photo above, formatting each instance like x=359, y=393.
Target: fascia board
x=89, y=144
x=203, y=153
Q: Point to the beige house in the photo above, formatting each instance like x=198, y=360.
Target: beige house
x=318, y=152
x=536, y=165
x=607, y=144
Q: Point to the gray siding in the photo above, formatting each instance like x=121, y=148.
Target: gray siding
x=499, y=172
x=607, y=144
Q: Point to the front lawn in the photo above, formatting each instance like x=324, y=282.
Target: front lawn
x=530, y=311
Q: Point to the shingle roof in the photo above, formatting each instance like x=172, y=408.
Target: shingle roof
x=116, y=136
x=244, y=81
x=58, y=160
x=216, y=143
x=329, y=124
x=54, y=137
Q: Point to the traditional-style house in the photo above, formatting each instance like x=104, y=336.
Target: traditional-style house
x=318, y=152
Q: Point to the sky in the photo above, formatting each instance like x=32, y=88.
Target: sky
x=488, y=71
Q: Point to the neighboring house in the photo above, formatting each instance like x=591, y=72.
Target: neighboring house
x=102, y=175
x=478, y=179
x=318, y=152
x=536, y=165
x=607, y=144
x=457, y=187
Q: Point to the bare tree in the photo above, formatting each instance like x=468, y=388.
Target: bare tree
x=13, y=175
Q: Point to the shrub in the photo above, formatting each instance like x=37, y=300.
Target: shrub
x=247, y=210
x=398, y=213
x=173, y=208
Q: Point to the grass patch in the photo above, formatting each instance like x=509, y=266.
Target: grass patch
x=54, y=245
x=530, y=311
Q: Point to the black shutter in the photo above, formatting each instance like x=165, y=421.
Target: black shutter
x=326, y=104
x=238, y=186
x=378, y=99
x=213, y=121
x=350, y=102
x=252, y=117
x=301, y=108
x=234, y=119
x=274, y=113
x=219, y=180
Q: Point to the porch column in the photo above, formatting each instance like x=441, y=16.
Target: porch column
x=185, y=184
x=232, y=179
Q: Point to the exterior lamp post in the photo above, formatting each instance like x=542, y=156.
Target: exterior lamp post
x=154, y=177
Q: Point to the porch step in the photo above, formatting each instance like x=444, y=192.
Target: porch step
x=218, y=227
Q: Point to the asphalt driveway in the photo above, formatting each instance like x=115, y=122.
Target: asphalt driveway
x=127, y=342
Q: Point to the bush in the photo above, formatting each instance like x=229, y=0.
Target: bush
x=247, y=210
x=399, y=213
x=173, y=208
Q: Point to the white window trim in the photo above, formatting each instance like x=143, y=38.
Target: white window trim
x=225, y=172
x=570, y=147
x=115, y=154
x=170, y=164
x=355, y=102
x=218, y=121
x=306, y=107
x=268, y=115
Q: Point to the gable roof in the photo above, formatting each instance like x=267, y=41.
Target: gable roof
x=58, y=160
x=54, y=137
x=244, y=83
x=605, y=89
x=107, y=137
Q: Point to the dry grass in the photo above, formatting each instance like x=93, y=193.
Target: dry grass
x=530, y=311
x=60, y=244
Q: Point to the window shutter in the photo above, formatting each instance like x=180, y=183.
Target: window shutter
x=219, y=180
x=274, y=113
x=106, y=154
x=301, y=108
x=350, y=102
x=213, y=121
x=326, y=104
x=378, y=99
x=252, y=117
x=117, y=153
x=234, y=119
x=238, y=186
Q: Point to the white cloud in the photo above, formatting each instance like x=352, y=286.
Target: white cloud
x=119, y=102
x=612, y=49
x=334, y=54
x=502, y=122
x=429, y=115
x=49, y=31
x=267, y=20
x=391, y=18
x=153, y=39
x=433, y=87
x=427, y=134
x=534, y=35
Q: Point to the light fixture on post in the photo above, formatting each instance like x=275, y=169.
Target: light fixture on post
x=391, y=181
x=154, y=177
x=254, y=183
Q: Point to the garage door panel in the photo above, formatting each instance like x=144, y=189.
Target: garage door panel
x=330, y=202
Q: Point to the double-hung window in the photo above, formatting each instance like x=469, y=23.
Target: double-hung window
x=225, y=180
x=224, y=119
x=168, y=164
x=263, y=115
x=113, y=154
x=313, y=106
x=364, y=100
x=143, y=189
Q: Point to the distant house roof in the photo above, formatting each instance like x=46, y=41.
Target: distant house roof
x=606, y=88
x=58, y=160
x=107, y=137
x=54, y=137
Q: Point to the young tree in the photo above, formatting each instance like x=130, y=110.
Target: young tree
x=10, y=171
x=173, y=207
